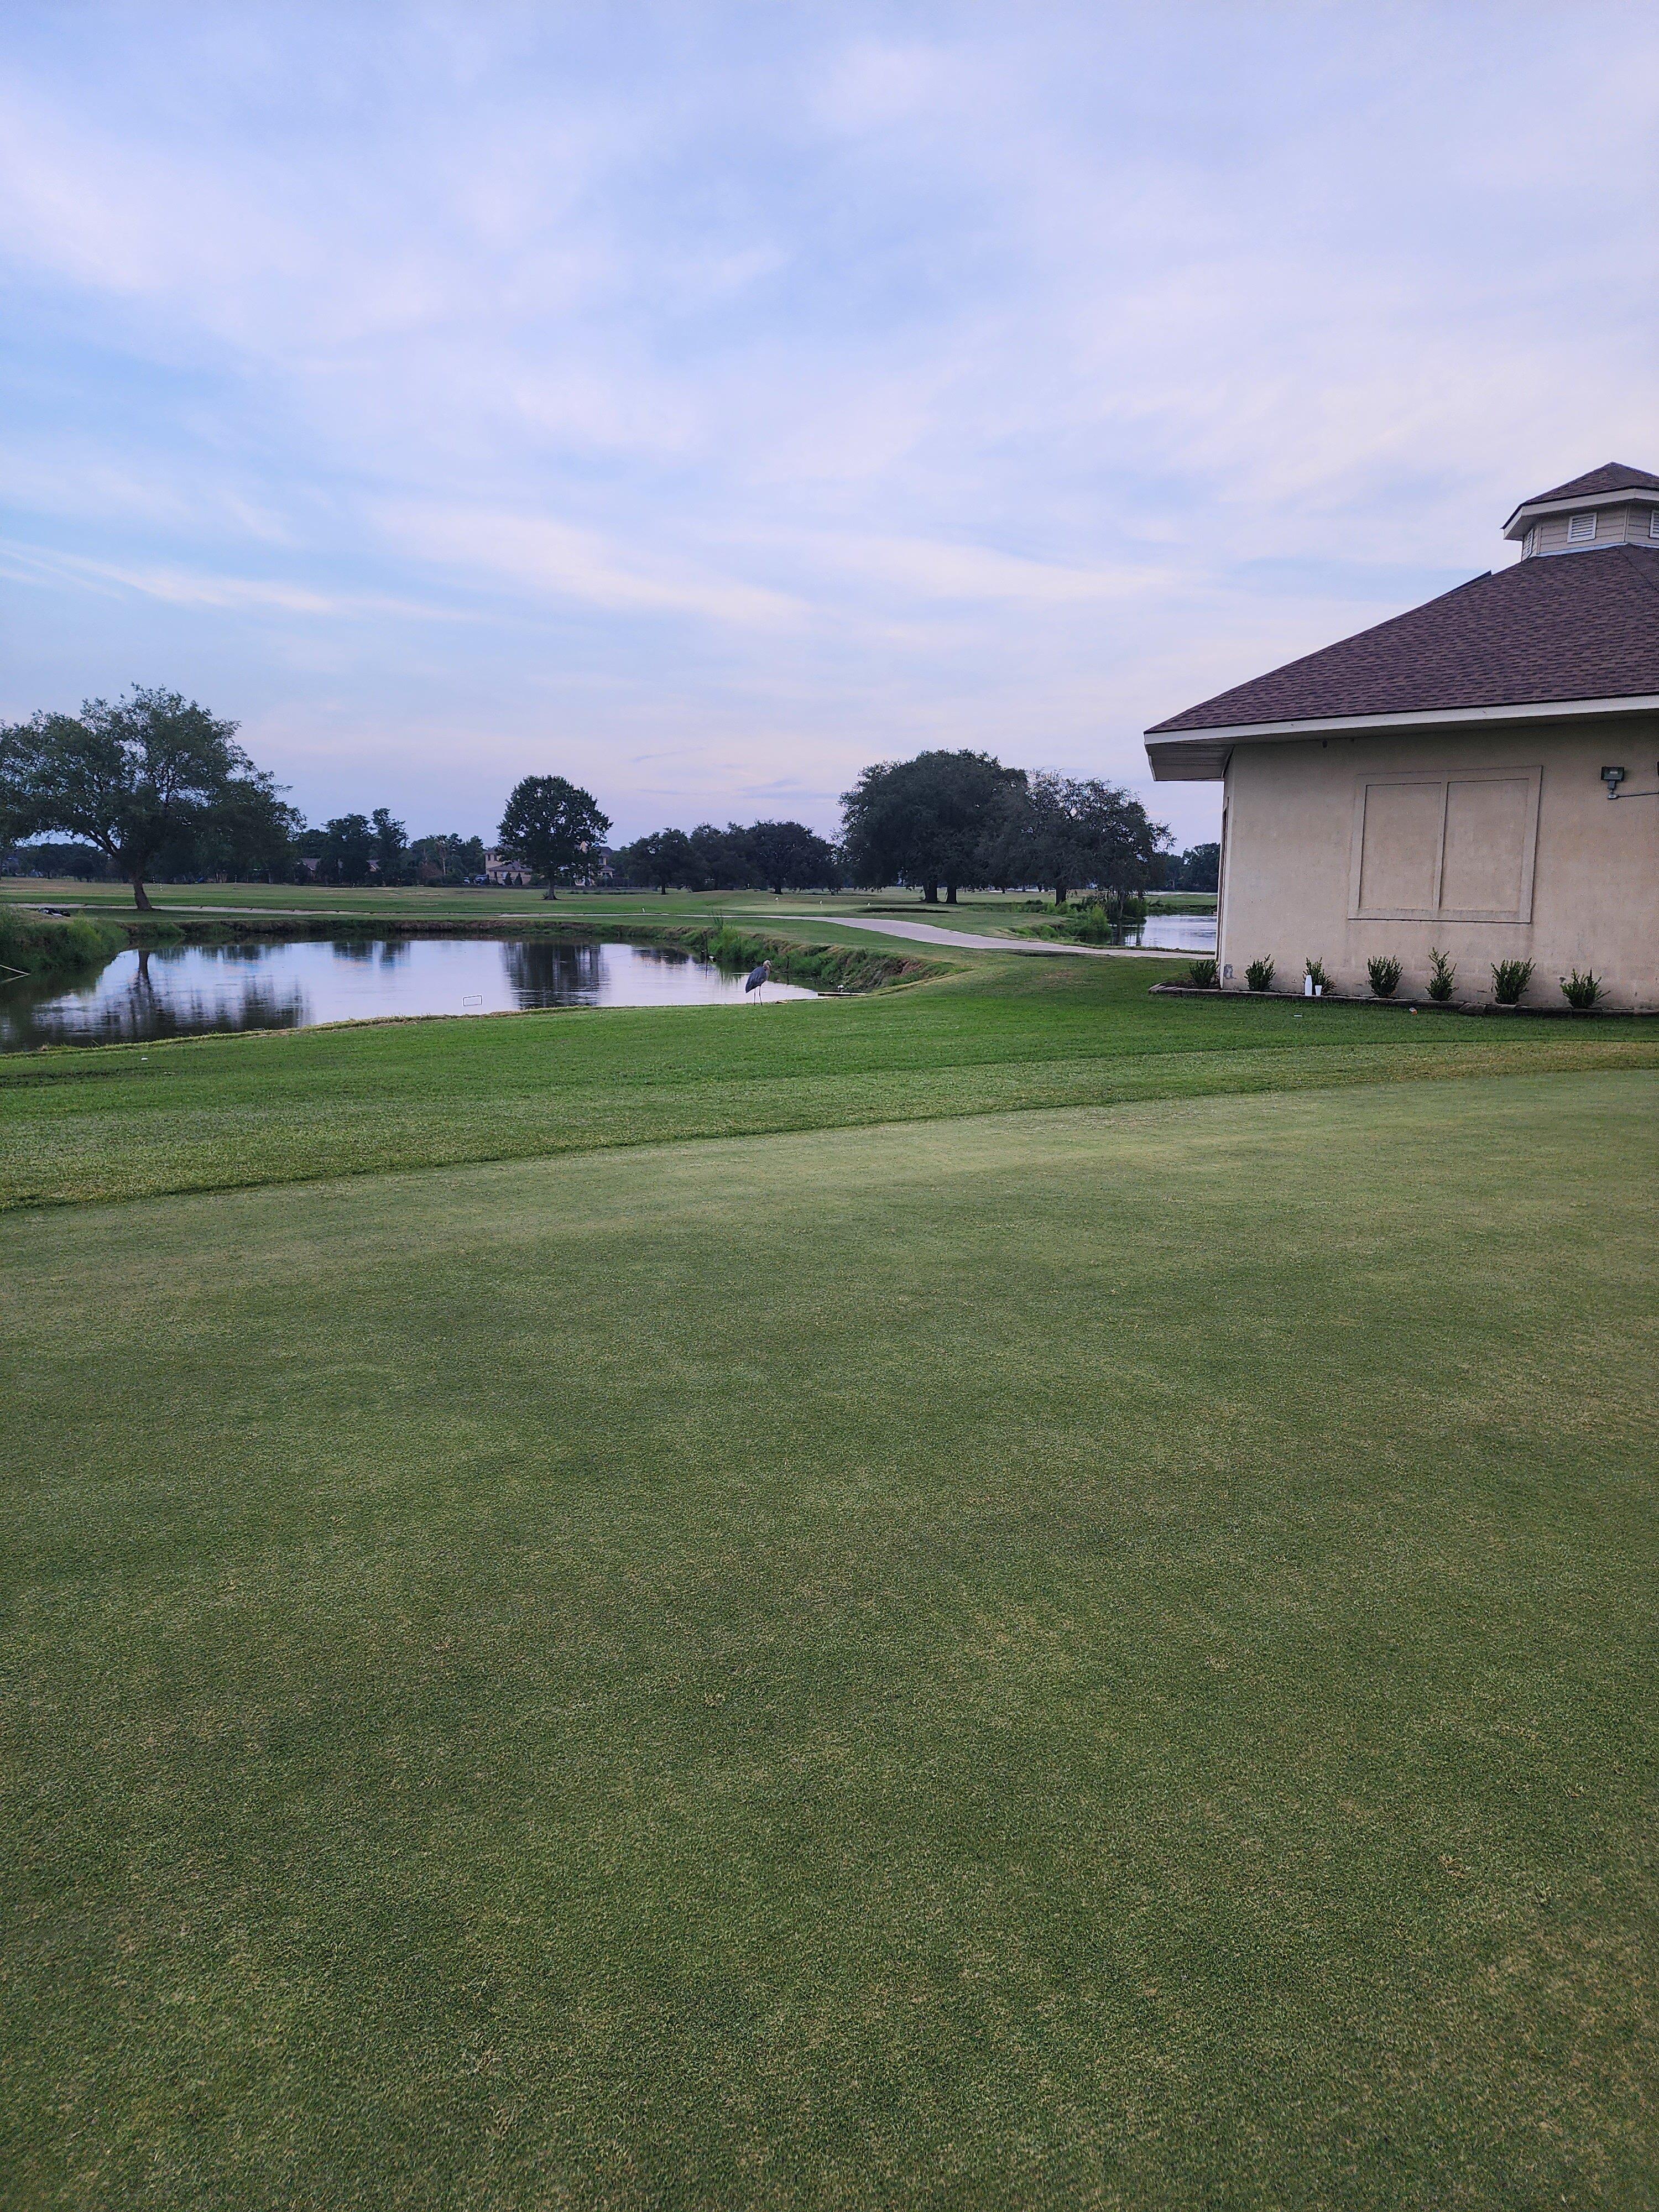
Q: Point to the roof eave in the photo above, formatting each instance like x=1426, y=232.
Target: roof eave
x=1530, y=510
x=1201, y=755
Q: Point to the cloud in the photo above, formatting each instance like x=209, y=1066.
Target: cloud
x=770, y=393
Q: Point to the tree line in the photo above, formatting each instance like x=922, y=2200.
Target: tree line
x=157, y=787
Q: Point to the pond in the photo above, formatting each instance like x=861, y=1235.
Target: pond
x=190, y=990
x=1174, y=933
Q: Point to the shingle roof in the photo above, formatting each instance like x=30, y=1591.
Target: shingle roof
x=1614, y=476
x=1581, y=626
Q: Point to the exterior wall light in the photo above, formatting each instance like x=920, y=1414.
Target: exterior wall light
x=1613, y=777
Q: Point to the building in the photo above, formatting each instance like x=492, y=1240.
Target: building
x=508, y=874
x=1478, y=776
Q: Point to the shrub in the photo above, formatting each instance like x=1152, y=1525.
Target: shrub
x=1260, y=975
x=1582, y=991
x=1317, y=976
x=1385, y=973
x=1510, y=978
x=1443, y=977
x=1203, y=974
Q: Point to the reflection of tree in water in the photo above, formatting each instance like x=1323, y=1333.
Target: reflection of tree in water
x=541, y=974
x=141, y=1009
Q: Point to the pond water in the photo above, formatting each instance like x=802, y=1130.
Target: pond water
x=1174, y=933
x=189, y=990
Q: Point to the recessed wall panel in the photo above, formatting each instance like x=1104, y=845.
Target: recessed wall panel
x=1400, y=852
x=1487, y=821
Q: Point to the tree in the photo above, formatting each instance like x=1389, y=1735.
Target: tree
x=925, y=821
x=662, y=857
x=722, y=857
x=1197, y=869
x=549, y=825
x=1071, y=832
x=130, y=777
x=788, y=856
x=391, y=846
x=348, y=850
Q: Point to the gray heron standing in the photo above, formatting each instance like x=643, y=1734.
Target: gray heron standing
x=754, y=978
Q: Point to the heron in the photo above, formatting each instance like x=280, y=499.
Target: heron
x=756, y=977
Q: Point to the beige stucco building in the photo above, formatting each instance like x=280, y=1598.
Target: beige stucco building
x=1480, y=775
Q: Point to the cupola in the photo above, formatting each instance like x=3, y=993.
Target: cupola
x=1612, y=505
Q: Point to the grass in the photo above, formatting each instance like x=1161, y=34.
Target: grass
x=902, y=1652
x=1095, y=1657
x=1003, y=1032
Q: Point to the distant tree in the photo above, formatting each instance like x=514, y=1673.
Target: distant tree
x=1197, y=869
x=1071, y=833
x=348, y=847
x=788, y=856
x=723, y=860
x=49, y=857
x=251, y=838
x=662, y=857
x=925, y=821
x=130, y=778
x=390, y=847
x=549, y=825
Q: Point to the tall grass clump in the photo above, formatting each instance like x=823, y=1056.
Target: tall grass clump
x=1314, y=972
x=1260, y=975
x=1203, y=974
x=38, y=945
x=1581, y=991
x=1443, y=977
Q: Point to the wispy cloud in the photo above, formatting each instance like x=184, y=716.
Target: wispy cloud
x=786, y=388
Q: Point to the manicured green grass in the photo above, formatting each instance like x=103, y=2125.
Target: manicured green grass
x=1005, y=1032
x=1091, y=1658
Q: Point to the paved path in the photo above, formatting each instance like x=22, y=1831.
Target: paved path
x=927, y=932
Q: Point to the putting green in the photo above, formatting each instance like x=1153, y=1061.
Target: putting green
x=1094, y=1657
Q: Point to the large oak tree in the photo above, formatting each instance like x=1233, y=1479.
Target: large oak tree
x=549, y=826
x=149, y=773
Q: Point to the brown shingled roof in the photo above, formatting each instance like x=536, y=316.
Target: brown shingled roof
x=1580, y=626
x=1614, y=476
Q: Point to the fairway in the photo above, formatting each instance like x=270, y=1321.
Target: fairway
x=1097, y=1656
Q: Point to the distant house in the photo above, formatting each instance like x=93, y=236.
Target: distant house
x=1480, y=775
x=511, y=875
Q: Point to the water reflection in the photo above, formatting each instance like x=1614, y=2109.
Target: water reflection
x=194, y=990
x=1174, y=933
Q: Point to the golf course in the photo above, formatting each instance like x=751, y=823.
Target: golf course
x=995, y=1590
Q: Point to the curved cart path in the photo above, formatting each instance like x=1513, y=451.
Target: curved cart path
x=927, y=932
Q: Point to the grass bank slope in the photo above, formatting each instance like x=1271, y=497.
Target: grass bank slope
x=1004, y=1033
x=1093, y=1659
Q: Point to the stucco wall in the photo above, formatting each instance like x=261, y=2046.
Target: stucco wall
x=1340, y=850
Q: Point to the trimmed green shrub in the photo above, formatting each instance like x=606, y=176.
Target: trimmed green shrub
x=1510, y=978
x=1260, y=975
x=1443, y=977
x=1384, y=973
x=1582, y=991
x=1203, y=974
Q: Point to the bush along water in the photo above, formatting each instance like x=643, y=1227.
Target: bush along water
x=1260, y=975
x=1100, y=919
x=36, y=945
x=1581, y=991
x=815, y=967
x=1384, y=973
x=1510, y=978
x=1443, y=977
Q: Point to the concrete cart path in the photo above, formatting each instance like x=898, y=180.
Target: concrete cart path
x=927, y=932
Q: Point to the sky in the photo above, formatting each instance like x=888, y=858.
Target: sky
x=702, y=401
